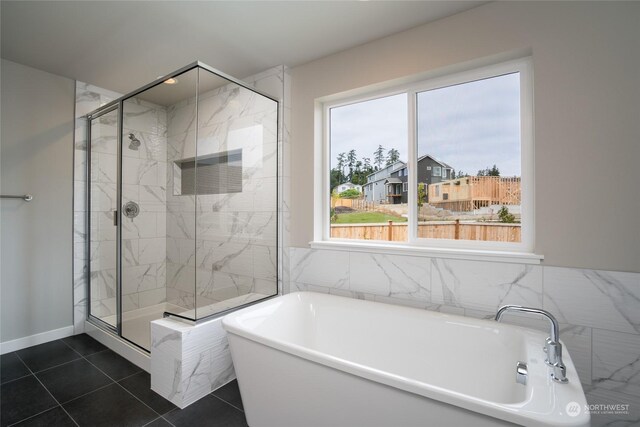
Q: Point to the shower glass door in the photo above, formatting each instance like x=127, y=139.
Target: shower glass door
x=182, y=202
x=102, y=157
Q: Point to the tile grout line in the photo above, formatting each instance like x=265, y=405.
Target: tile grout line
x=170, y=423
x=46, y=369
x=161, y=417
x=118, y=382
x=33, y=416
x=50, y=394
x=86, y=394
x=233, y=406
x=139, y=400
x=82, y=355
x=120, y=385
x=16, y=379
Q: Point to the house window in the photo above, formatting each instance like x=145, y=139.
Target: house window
x=477, y=123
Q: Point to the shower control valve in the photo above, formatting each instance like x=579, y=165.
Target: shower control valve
x=131, y=210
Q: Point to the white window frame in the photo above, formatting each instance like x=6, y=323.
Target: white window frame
x=405, y=186
x=477, y=250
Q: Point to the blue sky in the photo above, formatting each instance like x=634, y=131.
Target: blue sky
x=469, y=126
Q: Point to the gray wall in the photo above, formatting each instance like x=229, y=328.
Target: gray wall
x=36, y=156
x=586, y=58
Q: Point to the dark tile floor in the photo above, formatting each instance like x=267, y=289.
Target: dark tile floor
x=77, y=381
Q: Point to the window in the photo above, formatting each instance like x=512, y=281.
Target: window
x=475, y=125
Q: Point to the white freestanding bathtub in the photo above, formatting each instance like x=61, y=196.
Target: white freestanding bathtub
x=308, y=359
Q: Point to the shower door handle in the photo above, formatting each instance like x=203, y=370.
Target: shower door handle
x=115, y=218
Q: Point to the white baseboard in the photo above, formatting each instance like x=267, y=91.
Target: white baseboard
x=124, y=349
x=41, y=338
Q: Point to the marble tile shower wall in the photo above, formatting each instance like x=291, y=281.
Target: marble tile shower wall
x=599, y=311
x=235, y=233
x=144, y=182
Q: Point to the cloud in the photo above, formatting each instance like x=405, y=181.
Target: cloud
x=366, y=125
x=469, y=126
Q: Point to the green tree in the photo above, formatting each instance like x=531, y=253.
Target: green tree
x=393, y=156
x=461, y=174
x=422, y=194
x=493, y=171
x=378, y=157
x=335, y=177
x=351, y=162
x=342, y=160
x=505, y=216
x=351, y=193
x=366, y=164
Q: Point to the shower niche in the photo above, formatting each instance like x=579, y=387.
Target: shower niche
x=197, y=152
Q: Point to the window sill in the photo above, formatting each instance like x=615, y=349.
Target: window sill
x=400, y=249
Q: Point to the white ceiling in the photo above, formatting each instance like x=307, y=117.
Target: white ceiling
x=124, y=45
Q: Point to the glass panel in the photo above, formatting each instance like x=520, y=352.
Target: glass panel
x=469, y=161
x=158, y=226
x=102, y=201
x=236, y=201
x=368, y=170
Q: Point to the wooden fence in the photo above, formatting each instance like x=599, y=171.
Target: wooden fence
x=456, y=230
x=357, y=204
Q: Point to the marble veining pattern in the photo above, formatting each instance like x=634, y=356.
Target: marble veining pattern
x=598, y=310
x=476, y=285
x=235, y=234
x=144, y=179
x=599, y=299
x=189, y=361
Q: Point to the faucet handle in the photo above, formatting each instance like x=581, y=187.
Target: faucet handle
x=554, y=359
x=560, y=373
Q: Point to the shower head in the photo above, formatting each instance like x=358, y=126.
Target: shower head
x=135, y=142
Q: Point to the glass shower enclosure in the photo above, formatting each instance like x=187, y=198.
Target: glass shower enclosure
x=182, y=202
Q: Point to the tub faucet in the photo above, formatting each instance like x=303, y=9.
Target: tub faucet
x=553, y=348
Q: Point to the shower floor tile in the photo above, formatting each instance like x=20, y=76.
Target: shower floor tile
x=83, y=391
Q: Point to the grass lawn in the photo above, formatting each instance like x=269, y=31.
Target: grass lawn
x=366, y=217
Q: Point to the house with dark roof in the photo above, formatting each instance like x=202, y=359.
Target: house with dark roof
x=430, y=171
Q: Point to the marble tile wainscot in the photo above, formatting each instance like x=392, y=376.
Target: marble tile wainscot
x=189, y=361
x=598, y=311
